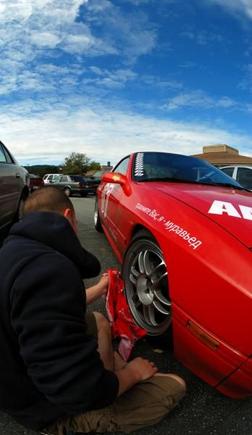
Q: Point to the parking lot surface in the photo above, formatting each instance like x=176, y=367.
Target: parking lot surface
x=203, y=411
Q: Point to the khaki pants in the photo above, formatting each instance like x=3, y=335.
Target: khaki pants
x=144, y=405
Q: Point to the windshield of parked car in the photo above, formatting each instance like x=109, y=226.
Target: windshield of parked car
x=155, y=166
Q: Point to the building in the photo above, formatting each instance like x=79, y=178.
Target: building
x=223, y=155
x=100, y=172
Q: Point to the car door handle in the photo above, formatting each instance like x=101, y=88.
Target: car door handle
x=17, y=175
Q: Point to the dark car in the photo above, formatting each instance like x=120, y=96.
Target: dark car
x=35, y=182
x=14, y=187
x=79, y=184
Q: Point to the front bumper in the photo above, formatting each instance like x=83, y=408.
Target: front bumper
x=210, y=358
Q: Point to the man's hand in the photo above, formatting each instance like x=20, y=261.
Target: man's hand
x=97, y=290
x=142, y=369
x=137, y=370
x=102, y=284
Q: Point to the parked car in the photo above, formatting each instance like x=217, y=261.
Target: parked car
x=35, y=182
x=50, y=178
x=79, y=184
x=243, y=174
x=14, y=188
x=182, y=230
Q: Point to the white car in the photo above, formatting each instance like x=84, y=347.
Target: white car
x=242, y=174
x=14, y=188
x=50, y=178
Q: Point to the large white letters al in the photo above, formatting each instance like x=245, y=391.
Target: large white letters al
x=221, y=207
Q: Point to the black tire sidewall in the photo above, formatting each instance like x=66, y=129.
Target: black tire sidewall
x=97, y=220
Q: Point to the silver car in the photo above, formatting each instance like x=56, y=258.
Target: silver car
x=14, y=188
x=79, y=184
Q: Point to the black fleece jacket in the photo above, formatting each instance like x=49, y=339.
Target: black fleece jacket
x=49, y=366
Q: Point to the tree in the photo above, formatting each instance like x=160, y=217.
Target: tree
x=94, y=166
x=76, y=163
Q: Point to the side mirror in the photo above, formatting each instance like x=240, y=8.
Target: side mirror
x=117, y=178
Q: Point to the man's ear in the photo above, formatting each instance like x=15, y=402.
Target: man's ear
x=68, y=213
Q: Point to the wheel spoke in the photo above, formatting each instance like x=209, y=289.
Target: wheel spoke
x=146, y=263
x=149, y=315
x=134, y=272
x=160, y=307
x=132, y=279
x=159, y=278
x=159, y=295
x=156, y=268
x=140, y=262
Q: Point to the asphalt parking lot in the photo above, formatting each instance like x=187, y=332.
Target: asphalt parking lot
x=203, y=411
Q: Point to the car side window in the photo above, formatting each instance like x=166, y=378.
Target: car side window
x=55, y=178
x=122, y=166
x=229, y=171
x=9, y=159
x=2, y=155
x=63, y=179
x=244, y=177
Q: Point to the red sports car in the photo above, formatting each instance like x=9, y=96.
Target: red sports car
x=182, y=230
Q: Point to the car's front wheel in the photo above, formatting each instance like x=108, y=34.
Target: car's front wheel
x=97, y=220
x=146, y=284
x=67, y=191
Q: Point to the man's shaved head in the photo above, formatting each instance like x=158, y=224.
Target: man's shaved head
x=47, y=199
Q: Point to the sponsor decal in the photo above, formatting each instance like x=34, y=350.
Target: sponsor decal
x=170, y=226
x=105, y=198
x=223, y=207
x=139, y=167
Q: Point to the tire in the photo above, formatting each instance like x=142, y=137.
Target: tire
x=20, y=211
x=67, y=191
x=146, y=284
x=97, y=220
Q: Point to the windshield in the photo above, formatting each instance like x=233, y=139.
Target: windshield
x=154, y=166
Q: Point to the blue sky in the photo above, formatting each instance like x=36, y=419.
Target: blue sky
x=108, y=77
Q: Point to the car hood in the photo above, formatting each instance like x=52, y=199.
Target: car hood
x=228, y=207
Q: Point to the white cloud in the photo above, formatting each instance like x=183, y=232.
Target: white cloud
x=226, y=103
x=110, y=78
x=203, y=37
x=199, y=99
x=102, y=133
x=246, y=83
x=33, y=29
x=135, y=36
x=45, y=39
x=243, y=7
